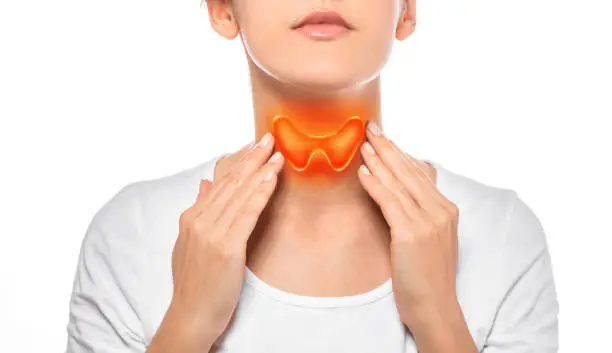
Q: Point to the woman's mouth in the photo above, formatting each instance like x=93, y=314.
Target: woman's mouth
x=323, y=25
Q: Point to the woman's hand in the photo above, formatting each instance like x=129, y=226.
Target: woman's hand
x=423, y=225
x=210, y=253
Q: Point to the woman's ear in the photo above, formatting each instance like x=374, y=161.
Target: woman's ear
x=223, y=18
x=407, y=20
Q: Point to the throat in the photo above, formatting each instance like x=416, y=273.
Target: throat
x=317, y=197
x=322, y=209
x=320, y=245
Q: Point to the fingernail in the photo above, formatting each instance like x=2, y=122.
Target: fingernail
x=265, y=140
x=368, y=148
x=364, y=170
x=373, y=127
x=276, y=157
x=268, y=176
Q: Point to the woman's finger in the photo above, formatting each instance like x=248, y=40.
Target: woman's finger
x=429, y=184
x=251, y=160
x=246, y=220
x=223, y=191
x=237, y=156
x=187, y=216
x=243, y=194
x=386, y=177
x=391, y=208
x=206, y=185
x=396, y=163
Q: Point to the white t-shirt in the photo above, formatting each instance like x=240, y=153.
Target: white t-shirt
x=123, y=283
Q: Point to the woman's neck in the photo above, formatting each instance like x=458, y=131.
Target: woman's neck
x=328, y=192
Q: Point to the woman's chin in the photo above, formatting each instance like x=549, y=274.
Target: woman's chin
x=322, y=84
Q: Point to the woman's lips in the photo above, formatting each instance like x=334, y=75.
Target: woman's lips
x=323, y=25
x=322, y=31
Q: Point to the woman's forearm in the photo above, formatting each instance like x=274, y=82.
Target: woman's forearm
x=443, y=331
x=178, y=332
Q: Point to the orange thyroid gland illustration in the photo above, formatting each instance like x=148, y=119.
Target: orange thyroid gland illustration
x=338, y=148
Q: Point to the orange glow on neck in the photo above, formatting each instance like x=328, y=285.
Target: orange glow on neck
x=338, y=148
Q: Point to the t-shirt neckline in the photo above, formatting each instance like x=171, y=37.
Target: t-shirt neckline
x=379, y=292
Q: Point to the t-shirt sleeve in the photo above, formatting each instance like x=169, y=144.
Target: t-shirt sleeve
x=527, y=317
x=102, y=309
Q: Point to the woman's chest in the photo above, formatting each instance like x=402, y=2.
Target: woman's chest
x=333, y=266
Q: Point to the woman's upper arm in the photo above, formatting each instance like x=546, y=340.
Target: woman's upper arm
x=527, y=317
x=102, y=312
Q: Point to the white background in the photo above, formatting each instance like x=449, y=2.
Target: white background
x=98, y=94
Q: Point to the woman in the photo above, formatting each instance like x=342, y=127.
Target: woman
x=323, y=236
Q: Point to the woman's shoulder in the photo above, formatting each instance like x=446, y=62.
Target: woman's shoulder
x=471, y=194
x=493, y=214
x=496, y=224
x=180, y=183
x=147, y=209
x=505, y=276
x=122, y=270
